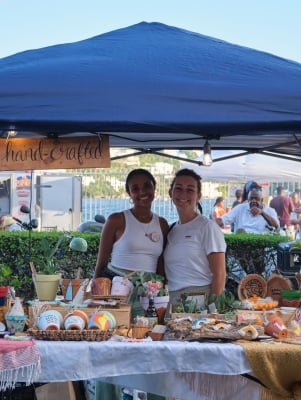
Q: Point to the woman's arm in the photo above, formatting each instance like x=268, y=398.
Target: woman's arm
x=112, y=230
x=217, y=263
x=164, y=228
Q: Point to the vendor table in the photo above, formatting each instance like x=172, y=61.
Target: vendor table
x=185, y=370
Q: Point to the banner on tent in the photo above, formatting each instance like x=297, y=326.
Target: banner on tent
x=54, y=153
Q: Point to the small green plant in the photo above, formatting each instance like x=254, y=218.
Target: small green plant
x=225, y=302
x=7, y=278
x=188, y=304
x=44, y=261
x=5, y=275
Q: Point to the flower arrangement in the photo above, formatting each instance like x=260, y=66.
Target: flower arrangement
x=152, y=288
x=148, y=284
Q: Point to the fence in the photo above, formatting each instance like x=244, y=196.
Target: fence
x=104, y=193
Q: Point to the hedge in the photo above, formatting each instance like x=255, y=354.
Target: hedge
x=248, y=251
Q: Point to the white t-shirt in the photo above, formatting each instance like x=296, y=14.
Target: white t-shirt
x=135, y=250
x=241, y=217
x=185, y=255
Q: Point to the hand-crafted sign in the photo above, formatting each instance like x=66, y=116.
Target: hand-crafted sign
x=58, y=153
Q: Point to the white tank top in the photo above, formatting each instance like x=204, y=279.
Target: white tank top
x=140, y=245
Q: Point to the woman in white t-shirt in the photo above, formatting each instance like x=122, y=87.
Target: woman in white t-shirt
x=194, y=256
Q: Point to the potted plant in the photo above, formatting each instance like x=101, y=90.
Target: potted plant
x=7, y=279
x=146, y=285
x=45, y=272
x=5, y=274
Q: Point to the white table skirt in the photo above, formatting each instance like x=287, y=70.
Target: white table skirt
x=180, y=369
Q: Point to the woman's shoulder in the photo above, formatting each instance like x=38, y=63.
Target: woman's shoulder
x=163, y=223
x=116, y=216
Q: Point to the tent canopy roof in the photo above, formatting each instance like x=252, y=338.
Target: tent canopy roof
x=151, y=86
x=258, y=167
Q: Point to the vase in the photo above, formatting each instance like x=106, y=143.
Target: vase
x=161, y=303
x=46, y=286
x=70, y=288
x=121, y=286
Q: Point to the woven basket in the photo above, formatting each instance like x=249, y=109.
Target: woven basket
x=90, y=335
x=138, y=331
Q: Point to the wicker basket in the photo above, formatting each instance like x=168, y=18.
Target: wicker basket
x=90, y=335
x=138, y=331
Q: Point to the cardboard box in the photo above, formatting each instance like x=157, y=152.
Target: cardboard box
x=122, y=314
x=60, y=390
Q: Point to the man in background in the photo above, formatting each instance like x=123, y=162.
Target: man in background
x=283, y=205
x=251, y=216
x=238, y=195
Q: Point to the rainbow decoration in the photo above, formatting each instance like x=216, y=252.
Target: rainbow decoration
x=102, y=320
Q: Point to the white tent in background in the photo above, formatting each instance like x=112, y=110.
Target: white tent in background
x=259, y=167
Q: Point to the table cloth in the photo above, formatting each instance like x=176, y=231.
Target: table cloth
x=18, y=359
x=186, y=370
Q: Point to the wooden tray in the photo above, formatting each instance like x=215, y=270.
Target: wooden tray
x=120, y=299
x=250, y=285
x=183, y=331
x=63, y=335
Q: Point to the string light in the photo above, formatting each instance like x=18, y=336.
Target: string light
x=207, y=159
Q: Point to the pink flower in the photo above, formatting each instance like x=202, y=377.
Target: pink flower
x=152, y=288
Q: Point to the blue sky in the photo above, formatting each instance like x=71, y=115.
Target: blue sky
x=267, y=25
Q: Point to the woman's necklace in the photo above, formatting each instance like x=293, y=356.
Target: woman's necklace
x=142, y=218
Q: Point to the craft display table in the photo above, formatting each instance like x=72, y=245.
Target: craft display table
x=184, y=370
x=178, y=369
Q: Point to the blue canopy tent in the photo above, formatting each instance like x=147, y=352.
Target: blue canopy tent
x=151, y=87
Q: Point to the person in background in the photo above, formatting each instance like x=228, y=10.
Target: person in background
x=295, y=215
x=296, y=200
x=218, y=208
x=9, y=224
x=131, y=240
x=247, y=188
x=238, y=195
x=252, y=216
x=283, y=205
x=194, y=256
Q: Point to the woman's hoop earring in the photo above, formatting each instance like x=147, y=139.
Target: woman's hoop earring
x=131, y=201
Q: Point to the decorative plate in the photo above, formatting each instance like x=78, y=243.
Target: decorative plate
x=275, y=284
x=250, y=285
